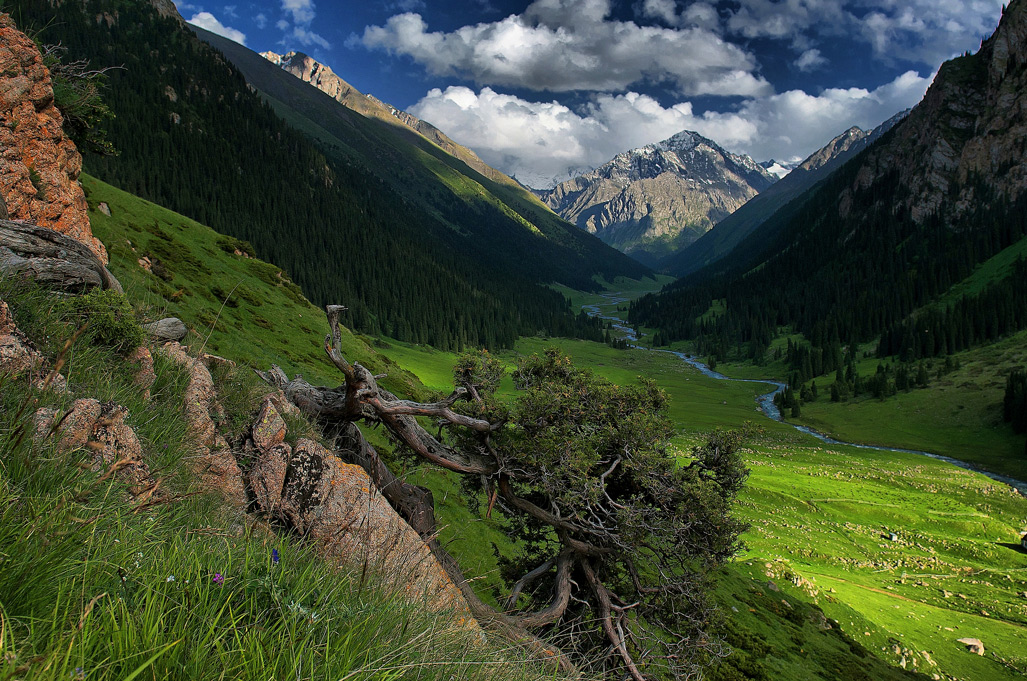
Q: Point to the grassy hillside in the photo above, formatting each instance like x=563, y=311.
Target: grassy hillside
x=239, y=306
x=96, y=584
x=821, y=520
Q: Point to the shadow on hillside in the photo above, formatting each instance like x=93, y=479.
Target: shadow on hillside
x=1015, y=547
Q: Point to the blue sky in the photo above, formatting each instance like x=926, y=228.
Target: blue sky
x=540, y=89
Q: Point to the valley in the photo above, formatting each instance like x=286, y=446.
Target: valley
x=676, y=416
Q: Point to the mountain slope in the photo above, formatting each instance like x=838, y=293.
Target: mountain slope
x=504, y=219
x=405, y=235
x=661, y=197
x=891, y=231
x=731, y=230
x=321, y=76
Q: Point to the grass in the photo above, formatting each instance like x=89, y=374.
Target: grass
x=820, y=520
x=234, y=304
x=95, y=585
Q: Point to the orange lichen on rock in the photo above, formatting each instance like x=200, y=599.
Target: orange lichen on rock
x=39, y=165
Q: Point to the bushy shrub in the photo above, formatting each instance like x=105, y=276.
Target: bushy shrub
x=110, y=319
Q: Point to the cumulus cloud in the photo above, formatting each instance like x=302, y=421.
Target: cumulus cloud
x=926, y=31
x=208, y=21
x=260, y=20
x=302, y=13
x=542, y=142
x=592, y=51
x=810, y=60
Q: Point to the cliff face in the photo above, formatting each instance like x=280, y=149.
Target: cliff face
x=657, y=199
x=969, y=133
x=39, y=165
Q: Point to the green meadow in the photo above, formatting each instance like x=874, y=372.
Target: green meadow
x=822, y=521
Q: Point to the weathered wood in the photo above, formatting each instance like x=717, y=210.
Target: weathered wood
x=51, y=258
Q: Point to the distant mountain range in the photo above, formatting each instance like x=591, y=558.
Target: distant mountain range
x=657, y=199
x=731, y=230
x=891, y=246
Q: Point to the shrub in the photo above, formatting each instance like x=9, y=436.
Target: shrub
x=110, y=318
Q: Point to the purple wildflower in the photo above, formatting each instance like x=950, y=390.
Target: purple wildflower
x=219, y=578
x=274, y=556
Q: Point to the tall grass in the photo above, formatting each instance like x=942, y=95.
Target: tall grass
x=95, y=585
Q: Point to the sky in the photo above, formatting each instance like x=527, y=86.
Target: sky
x=543, y=90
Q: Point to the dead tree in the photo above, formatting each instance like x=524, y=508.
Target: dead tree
x=624, y=536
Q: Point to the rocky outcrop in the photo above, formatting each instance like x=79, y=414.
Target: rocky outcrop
x=51, y=258
x=658, y=199
x=968, y=133
x=39, y=165
x=18, y=357
x=100, y=429
x=212, y=459
x=316, y=494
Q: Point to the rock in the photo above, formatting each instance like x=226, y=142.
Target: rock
x=213, y=460
x=973, y=645
x=3, y=209
x=144, y=376
x=16, y=355
x=104, y=208
x=167, y=329
x=39, y=165
x=51, y=258
x=269, y=428
x=772, y=586
x=267, y=478
x=338, y=505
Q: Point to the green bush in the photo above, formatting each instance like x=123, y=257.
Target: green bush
x=110, y=319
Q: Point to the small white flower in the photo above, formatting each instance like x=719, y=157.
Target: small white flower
x=170, y=578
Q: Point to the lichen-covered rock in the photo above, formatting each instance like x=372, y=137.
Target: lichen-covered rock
x=39, y=165
x=338, y=505
x=16, y=355
x=269, y=428
x=267, y=478
x=213, y=460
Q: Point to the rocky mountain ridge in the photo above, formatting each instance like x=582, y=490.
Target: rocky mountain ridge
x=321, y=76
x=967, y=138
x=661, y=197
x=730, y=231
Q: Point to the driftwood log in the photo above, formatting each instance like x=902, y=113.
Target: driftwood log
x=51, y=258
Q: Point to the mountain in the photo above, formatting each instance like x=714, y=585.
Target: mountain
x=356, y=211
x=730, y=231
x=659, y=198
x=777, y=168
x=867, y=253
x=321, y=76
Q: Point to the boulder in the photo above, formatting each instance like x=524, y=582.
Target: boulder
x=166, y=330
x=267, y=478
x=338, y=505
x=39, y=165
x=973, y=645
x=51, y=258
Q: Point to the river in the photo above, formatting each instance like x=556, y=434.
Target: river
x=766, y=400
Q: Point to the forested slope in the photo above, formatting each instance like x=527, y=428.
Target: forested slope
x=192, y=136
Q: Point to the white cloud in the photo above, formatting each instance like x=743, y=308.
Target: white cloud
x=208, y=21
x=282, y=25
x=539, y=141
x=563, y=45
x=810, y=60
x=302, y=11
x=308, y=37
x=260, y=20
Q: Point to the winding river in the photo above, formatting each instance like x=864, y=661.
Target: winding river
x=766, y=400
